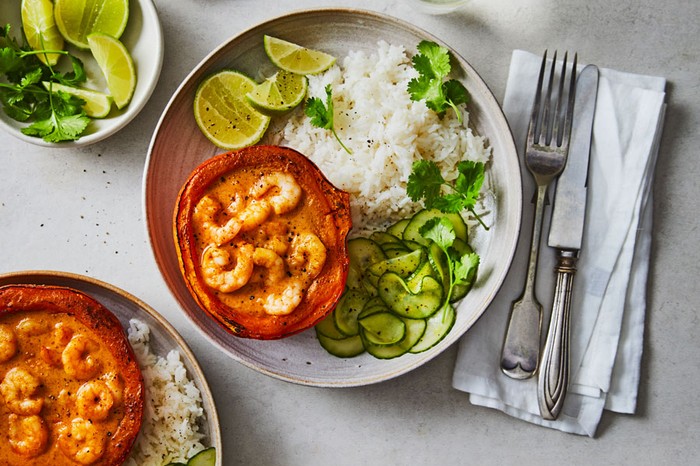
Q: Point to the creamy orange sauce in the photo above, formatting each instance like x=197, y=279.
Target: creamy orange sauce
x=60, y=391
x=262, y=234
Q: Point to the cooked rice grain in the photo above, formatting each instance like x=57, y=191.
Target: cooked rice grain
x=173, y=407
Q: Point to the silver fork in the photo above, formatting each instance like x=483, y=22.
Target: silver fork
x=545, y=157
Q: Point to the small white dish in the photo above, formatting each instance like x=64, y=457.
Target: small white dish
x=143, y=37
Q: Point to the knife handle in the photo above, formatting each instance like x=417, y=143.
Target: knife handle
x=554, y=371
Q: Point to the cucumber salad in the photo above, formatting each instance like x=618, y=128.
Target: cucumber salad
x=401, y=287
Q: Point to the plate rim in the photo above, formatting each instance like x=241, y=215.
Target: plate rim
x=509, y=141
x=32, y=276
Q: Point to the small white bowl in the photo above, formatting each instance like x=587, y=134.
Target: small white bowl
x=143, y=38
x=438, y=7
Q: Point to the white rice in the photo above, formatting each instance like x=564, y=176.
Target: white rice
x=173, y=408
x=386, y=132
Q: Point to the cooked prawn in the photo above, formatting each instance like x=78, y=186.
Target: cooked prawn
x=217, y=271
x=20, y=389
x=255, y=214
x=115, y=384
x=31, y=327
x=78, y=357
x=28, y=434
x=8, y=343
x=205, y=215
x=285, y=302
x=308, y=255
x=284, y=198
x=271, y=261
x=81, y=441
x=94, y=400
x=273, y=236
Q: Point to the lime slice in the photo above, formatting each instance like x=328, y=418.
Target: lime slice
x=223, y=113
x=97, y=104
x=117, y=66
x=295, y=58
x=40, y=29
x=78, y=19
x=279, y=93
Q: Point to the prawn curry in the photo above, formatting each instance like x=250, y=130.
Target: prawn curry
x=71, y=391
x=261, y=240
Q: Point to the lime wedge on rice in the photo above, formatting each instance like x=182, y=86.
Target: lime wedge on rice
x=295, y=58
x=223, y=113
x=117, y=66
x=97, y=104
x=278, y=94
x=40, y=29
x=78, y=19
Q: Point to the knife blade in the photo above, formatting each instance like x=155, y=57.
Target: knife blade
x=566, y=235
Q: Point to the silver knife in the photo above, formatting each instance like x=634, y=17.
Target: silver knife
x=566, y=235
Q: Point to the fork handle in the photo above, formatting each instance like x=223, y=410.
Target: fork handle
x=554, y=374
x=521, y=346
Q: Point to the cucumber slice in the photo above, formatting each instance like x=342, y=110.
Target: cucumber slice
x=347, y=347
x=345, y=313
x=397, y=228
x=381, y=237
x=363, y=252
x=383, y=328
x=372, y=306
x=437, y=326
x=328, y=328
x=206, y=457
x=414, y=331
x=416, y=300
x=412, y=231
x=403, y=266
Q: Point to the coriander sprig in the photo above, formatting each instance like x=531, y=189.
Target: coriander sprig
x=433, y=65
x=57, y=116
x=427, y=183
x=322, y=115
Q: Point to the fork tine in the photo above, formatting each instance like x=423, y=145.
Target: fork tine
x=547, y=127
x=570, y=104
x=534, y=126
x=560, y=120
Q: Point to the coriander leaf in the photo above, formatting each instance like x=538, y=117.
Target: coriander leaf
x=424, y=181
x=437, y=56
x=58, y=128
x=469, y=181
x=74, y=78
x=440, y=230
x=465, y=269
x=433, y=65
x=322, y=115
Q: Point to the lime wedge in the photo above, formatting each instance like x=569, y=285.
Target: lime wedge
x=223, y=113
x=78, y=19
x=40, y=29
x=295, y=58
x=117, y=66
x=279, y=93
x=97, y=104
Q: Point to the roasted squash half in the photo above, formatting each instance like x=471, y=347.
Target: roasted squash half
x=71, y=391
x=261, y=237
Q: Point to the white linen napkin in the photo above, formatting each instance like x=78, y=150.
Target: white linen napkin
x=608, y=306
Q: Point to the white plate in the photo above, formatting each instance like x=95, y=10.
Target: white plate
x=143, y=38
x=163, y=336
x=178, y=147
